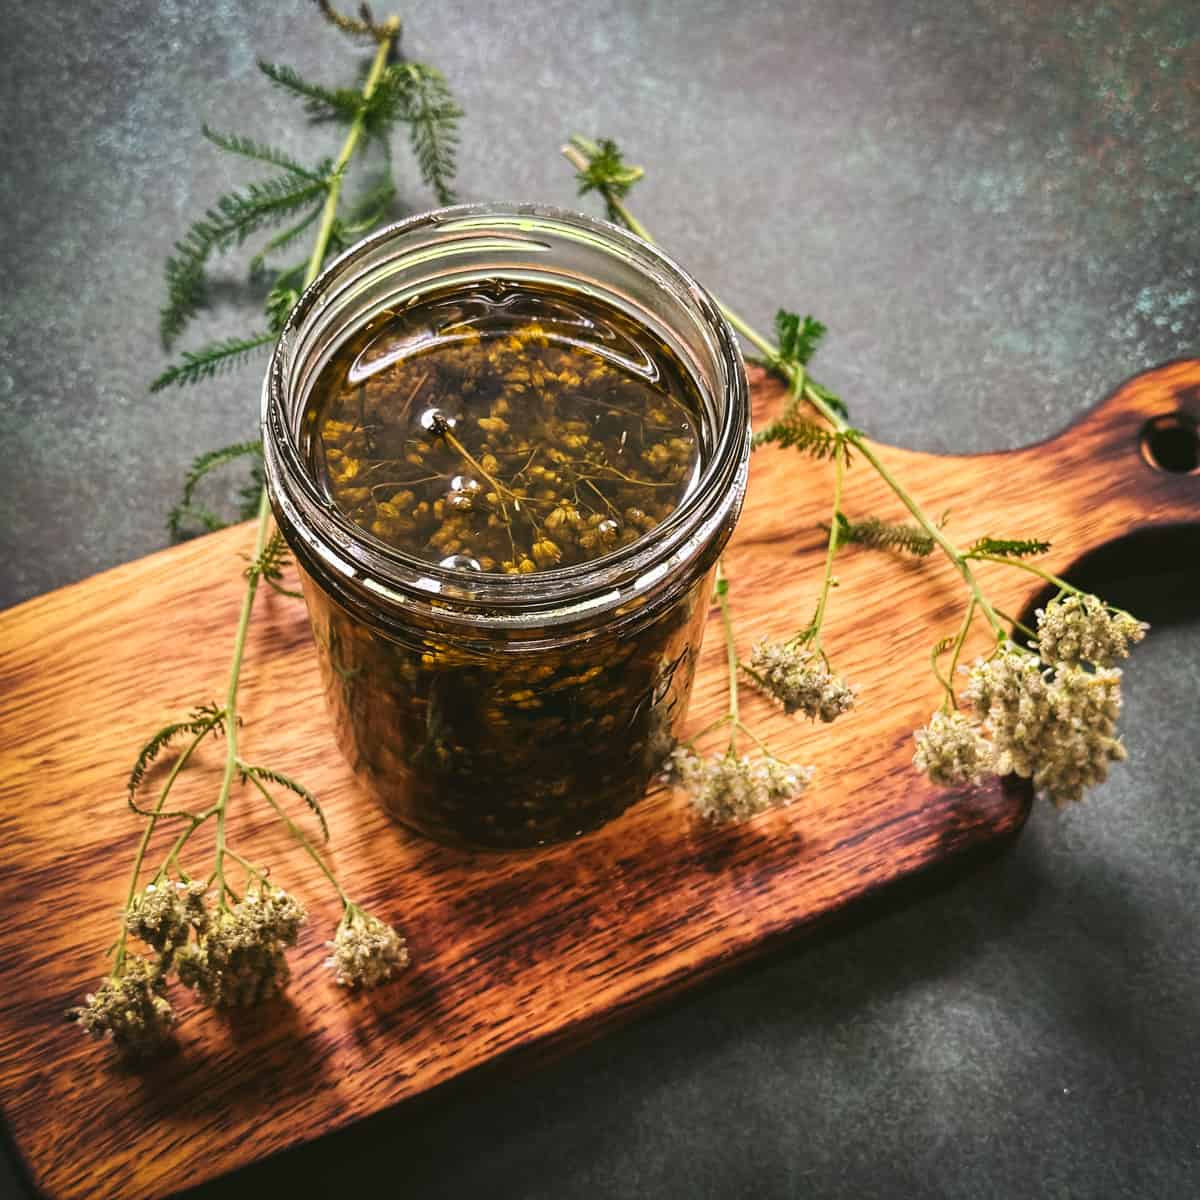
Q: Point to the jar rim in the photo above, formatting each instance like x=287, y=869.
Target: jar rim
x=326, y=539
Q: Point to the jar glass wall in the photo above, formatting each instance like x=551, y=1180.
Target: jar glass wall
x=507, y=710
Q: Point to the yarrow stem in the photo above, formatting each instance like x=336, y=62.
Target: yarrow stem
x=228, y=713
x=813, y=633
x=261, y=533
x=960, y=639
x=731, y=654
x=387, y=42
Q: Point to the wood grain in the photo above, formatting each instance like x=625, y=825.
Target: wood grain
x=512, y=951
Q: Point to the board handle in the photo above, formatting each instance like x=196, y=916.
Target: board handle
x=1122, y=488
x=1134, y=459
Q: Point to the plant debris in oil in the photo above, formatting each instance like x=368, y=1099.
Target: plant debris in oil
x=505, y=429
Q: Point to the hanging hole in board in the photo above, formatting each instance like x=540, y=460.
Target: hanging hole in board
x=1172, y=443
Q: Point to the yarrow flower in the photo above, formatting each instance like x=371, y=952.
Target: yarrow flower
x=1074, y=629
x=952, y=750
x=164, y=912
x=729, y=787
x=800, y=680
x=1056, y=725
x=240, y=959
x=366, y=950
x=131, y=1009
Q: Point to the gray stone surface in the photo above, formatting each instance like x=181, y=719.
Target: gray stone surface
x=996, y=208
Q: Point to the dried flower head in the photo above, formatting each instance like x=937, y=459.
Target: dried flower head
x=366, y=950
x=800, y=680
x=1074, y=629
x=952, y=750
x=1056, y=726
x=240, y=958
x=729, y=787
x=131, y=1009
x=157, y=916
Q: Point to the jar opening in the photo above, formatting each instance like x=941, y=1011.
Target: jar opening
x=526, y=246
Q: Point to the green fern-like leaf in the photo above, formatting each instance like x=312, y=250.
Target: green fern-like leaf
x=187, y=293
x=321, y=103
x=885, y=535
x=419, y=95
x=187, y=510
x=211, y=360
x=1009, y=547
x=205, y=719
x=798, y=337
x=606, y=172
x=247, y=148
x=793, y=432
x=232, y=219
x=267, y=775
x=269, y=565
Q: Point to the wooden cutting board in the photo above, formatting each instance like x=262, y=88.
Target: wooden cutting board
x=512, y=952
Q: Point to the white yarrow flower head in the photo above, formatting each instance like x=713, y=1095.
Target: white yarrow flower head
x=952, y=750
x=800, y=679
x=1054, y=725
x=240, y=959
x=730, y=787
x=1074, y=629
x=131, y=1009
x=366, y=950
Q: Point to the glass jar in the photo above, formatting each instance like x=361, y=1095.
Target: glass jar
x=507, y=710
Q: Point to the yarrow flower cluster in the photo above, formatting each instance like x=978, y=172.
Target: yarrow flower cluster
x=366, y=950
x=1056, y=726
x=163, y=914
x=230, y=956
x=800, y=679
x=239, y=959
x=732, y=787
x=1082, y=628
x=1052, y=720
x=952, y=750
x=131, y=1009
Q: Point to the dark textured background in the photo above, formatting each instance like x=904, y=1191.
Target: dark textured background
x=996, y=207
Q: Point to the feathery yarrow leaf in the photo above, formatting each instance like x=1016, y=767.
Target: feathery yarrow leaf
x=885, y=535
x=1008, y=547
x=267, y=775
x=270, y=563
x=419, y=95
x=204, y=465
x=798, y=337
x=210, y=360
x=205, y=719
x=793, y=432
x=606, y=172
x=232, y=219
x=321, y=103
x=248, y=148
